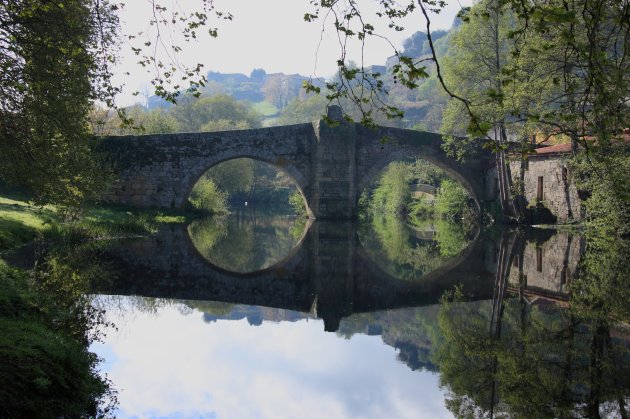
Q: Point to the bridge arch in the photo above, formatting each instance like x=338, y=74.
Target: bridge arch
x=196, y=171
x=287, y=263
x=379, y=166
x=383, y=146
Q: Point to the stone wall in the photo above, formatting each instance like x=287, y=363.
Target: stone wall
x=335, y=171
x=550, y=175
x=556, y=192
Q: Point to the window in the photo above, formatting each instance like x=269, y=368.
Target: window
x=539, y=194
x=539, y=255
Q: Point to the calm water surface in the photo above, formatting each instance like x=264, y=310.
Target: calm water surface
x=265, y=316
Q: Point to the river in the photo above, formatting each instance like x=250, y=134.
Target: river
x=268, y=316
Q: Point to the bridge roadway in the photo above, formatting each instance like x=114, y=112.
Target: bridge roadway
x=328, y=273
x=331, y=165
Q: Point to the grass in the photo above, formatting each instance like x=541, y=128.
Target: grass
x=21, y=223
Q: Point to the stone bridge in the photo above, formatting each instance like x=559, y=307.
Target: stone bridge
x=328, y=274
x=331, y=165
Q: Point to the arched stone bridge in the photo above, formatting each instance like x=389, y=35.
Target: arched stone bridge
x=331, y=165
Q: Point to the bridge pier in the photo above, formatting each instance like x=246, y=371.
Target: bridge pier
x=335, y=172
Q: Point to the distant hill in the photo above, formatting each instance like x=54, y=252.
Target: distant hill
x=277, y=89
x=270, y=94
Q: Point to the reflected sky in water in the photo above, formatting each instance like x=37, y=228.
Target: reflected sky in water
x=168, y=362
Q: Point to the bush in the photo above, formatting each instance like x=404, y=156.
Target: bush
x=206, y=196
x=452, y=200
x=393, y=194
x=297, y=203
x=421, y=208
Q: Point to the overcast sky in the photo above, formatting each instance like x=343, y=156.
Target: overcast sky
x=269, y=34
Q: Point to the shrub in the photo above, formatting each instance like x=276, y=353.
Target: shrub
x=393, y=194
x=206, y=196
x=297, y=203
x=452, y=200
x=421, y=208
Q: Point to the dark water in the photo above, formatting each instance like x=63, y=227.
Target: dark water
x=260, y=315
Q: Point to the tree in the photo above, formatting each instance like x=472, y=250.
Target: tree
x=205, y=196
x=475, y=67
x=55, y=59
x=303, y=110
x=232, y=176
x=572, y=52
x=393, y=194
x=198, y=114
x=452, y=200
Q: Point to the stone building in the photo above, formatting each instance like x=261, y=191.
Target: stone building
x=547, y=183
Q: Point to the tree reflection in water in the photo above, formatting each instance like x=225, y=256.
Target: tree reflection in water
x=47, y=323
x=247, y=240
x=533, y=352
x=409, y=251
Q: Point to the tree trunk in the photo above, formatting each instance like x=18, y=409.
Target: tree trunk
x=508, y=207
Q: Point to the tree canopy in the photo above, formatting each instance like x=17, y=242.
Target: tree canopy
x=55, y=59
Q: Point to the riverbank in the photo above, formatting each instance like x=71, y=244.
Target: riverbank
x=22, y=223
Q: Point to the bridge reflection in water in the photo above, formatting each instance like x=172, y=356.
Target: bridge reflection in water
x=331, y=276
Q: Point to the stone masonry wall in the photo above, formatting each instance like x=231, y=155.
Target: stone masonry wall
x=559, y=194
x=335, y=171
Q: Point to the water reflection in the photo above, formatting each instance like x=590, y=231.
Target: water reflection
x=544, y=265
x=182, y=362
x=495, y=321
x=514, y=325
x=328, y=273
x=247, y=240
x=409, y=251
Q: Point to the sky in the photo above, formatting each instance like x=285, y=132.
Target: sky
x=269, y=34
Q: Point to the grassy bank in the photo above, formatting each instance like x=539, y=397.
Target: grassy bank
x=22, y=223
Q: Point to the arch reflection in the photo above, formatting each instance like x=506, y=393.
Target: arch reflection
x=410, y=251
x=247, y=240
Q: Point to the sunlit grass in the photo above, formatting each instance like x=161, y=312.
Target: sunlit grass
x=21, y=223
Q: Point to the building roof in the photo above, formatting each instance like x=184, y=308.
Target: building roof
x=558, y=148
